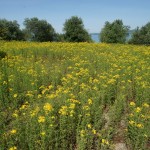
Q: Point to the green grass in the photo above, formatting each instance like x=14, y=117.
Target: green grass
x=57, y=96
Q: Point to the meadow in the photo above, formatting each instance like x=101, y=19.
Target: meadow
x=74, y=96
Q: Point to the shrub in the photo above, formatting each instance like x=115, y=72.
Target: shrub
x=2, y=54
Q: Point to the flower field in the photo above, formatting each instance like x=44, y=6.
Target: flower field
x=74, y=96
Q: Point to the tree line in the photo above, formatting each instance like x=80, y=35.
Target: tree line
x=74, y=31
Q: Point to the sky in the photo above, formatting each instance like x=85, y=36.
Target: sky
x=94, y=13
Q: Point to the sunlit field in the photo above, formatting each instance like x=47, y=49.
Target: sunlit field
x=74, y=96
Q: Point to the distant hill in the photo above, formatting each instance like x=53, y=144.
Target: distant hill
x=94, y=33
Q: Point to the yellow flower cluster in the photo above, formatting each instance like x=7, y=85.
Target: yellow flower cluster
x=63, y=110
x=47, y=107
x=104, y=141
x=41, y=119
x=13, y=148
x=64, y=88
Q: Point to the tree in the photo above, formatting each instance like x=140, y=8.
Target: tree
x=114, y=32
x=141, y=36
x=39, y=30
x=74, y=30
x=10, y=30
x=59, y=37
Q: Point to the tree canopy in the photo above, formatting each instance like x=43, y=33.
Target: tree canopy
x=39, y=30
x=141, y=36
x=74, y=30
x=114, y=32
x=10, y=30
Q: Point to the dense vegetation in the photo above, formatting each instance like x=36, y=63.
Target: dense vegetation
x=74, y=31
x=9, y=30
x=73, y=96
x=114, y=32
x=39, y=30
x=142, y=35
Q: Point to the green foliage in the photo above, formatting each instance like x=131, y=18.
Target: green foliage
x=69, y=96
x=2, y=54
x=39, y=30
x=60, y=37
x=114, y=32
x=74, y=30
x=9, y=30
x=141, y=36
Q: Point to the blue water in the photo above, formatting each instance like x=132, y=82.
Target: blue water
x=96, y=39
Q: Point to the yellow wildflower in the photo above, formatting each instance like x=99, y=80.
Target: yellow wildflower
x=89, y=126
x=34, y=112
x=138, y=109
x=82, y=133
x=4, y=82
x=145, y=135
x=51, y=125
x=43, y=92
x=146, y=105
x=116, y=76
x=50, y=87
x=70, y=67
x=111, y=81
x=43, y=133
x=95, y=80
x=87, y=114
x=139, y=125
x=41, y=119
x=13, y=131
x=90, y=101
x=94, y=131
x=10, y=89
x=132, y=104
x=15, y=95
x=72, y=106
x=32, y=83
x=129, y=81
x=23, y=106
x=63, y=110
x=105, y=142
x=13, y=148
x=86, y=107
x=29, y=94
x=72, y=113
x=47, y=107
x=39, y=95
x=131, y=122
x=50, y=96
x=53, y=117
x=143, y=116
x=131, y=115
x=15, y=114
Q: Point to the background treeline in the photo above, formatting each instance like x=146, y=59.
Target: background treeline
x=73, y=31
